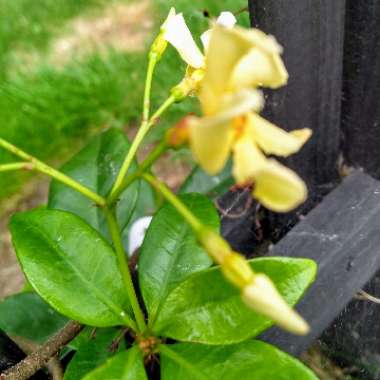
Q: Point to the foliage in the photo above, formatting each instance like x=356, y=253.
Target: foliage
x=188, y=298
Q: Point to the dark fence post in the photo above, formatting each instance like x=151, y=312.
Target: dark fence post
x=311, y=33
x=355, y=336
x=361, y=86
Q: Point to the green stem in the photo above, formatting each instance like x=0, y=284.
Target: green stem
x=124, y=269
x=16, y=166
x=144, y=129
x=148, y=86
x=143, y=167
x=166, y=351
x=40, y=166
x=194, y=222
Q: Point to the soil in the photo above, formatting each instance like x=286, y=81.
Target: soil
x=34, y=194
x=119, y=26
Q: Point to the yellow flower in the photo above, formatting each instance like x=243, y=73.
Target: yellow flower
x=275, y=186
x=177, y=33
x=213, y=139
x=238, y=61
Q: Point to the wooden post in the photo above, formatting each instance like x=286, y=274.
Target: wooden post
x=361, y=86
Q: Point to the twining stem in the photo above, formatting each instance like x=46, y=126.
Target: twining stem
x=143, y=130
x=16, y=166
x=166, y=351
x=38, y=359
x=124, y=269
x=194, y=222
x=143, y=167
x=153, y=59
x=35, y=164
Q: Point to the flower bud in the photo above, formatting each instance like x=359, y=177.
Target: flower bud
x=263, y=297
x=178, y=135
x=237, y=270
x=160, y=44
x=217, y=248
x=158, y=47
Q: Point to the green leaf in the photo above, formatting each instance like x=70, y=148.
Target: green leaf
x=205, y=308
x=93, y=353
x=96, y=167
x=248, y=360
x=212, y=186
x=170, y=252
x=70, y=266
x=28, y=316
x=127, y=365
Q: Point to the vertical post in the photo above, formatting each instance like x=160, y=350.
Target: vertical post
x=361, y=86
x=311, y=33
x=353, y=336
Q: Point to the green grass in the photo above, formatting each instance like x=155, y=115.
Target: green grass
x=29, y=25
x=51, y=111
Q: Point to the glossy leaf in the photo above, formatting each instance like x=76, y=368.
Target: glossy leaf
x=206, y=308
x=212, y=186
x=127, y=365
x=93, y=353
x=244, y=361
x=170, y=252
x=71, y=266
x=28, y=316
x=96, y=167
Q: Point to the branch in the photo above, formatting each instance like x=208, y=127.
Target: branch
x=54, y=365
x=38, y=359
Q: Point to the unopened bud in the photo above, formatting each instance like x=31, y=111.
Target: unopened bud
x=237, y=270
x=217, y=248
x=158, y=47
x=178, y=135
x=263, y=297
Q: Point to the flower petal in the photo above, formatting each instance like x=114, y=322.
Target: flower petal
x=258, y=68
x=211, y=144
x=274, y=140
x=205, y=38
x=239, y=103
x=178, y=34
x=172, y=13
x=248, y=160
x=225, y=51
x=279, y=188
x=226, y=19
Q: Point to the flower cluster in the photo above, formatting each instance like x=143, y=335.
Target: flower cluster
x=226, y=78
